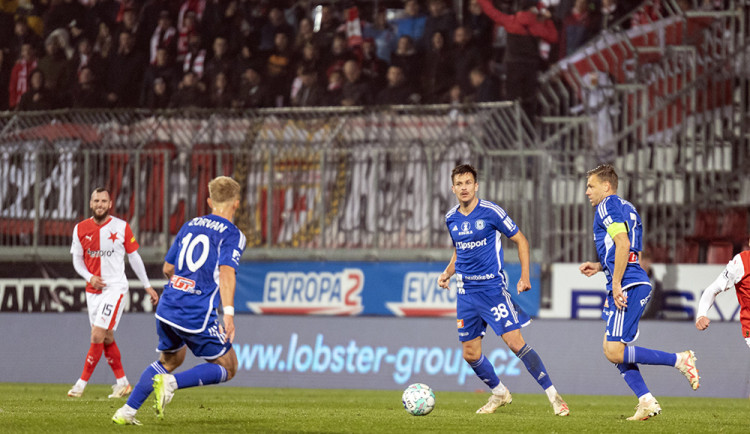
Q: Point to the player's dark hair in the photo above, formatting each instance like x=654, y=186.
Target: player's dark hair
x=101, y=190
x=606, y=173
x=463, y=168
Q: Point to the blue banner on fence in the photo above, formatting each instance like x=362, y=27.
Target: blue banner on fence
x=359, y=288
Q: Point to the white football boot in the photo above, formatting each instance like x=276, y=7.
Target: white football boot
x=495, y=402
x=646, y=409
x=686, y=365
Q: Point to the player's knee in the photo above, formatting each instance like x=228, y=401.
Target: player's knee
x=516, y=346
x=98, y=335
x=172, y=361
x=231, y=371
x=170, y=365
x=229, y=363
x=472, y=355
x=613, y=358
x=612, y=354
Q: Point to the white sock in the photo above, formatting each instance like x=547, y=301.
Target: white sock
x=122, y=381
x=551, y=393
x=646, y=397
x=500, y=389
x=172, y=382
x=80, y=384
x=129, y=410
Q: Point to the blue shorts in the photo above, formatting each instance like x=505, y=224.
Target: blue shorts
x=622, y=325
x=475, y=310
x=208, y=344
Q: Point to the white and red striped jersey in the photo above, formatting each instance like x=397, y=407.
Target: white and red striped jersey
x=740, y=267
x=736, y=274
x=104, y=248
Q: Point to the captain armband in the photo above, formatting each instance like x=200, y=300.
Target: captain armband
x=616, y=228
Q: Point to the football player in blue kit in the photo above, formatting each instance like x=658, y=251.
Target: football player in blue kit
x=476, y=226
x=201, y=267
x=618, y=235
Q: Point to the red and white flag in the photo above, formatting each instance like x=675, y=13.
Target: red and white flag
x=353, y=27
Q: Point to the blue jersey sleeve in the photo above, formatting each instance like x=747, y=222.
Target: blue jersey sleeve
x=502, y=222
x=612, y=212
x=233, y=246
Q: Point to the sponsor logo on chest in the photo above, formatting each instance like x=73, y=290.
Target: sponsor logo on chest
x=100, y=253
x=465, y=228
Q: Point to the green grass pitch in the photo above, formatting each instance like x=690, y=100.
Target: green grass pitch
x=45, y=408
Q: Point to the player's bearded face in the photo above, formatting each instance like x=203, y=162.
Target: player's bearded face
x=100, y=204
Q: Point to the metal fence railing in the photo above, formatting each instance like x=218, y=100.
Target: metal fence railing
x=335, y=182
x=666, y=102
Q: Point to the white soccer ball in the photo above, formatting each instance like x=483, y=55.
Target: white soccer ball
x=418, y=399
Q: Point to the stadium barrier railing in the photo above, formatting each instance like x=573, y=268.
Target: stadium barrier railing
x=666, y=102
x=325, y=183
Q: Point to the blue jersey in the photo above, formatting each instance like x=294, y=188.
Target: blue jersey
x=191, y=297
x=479, y=251
x=614, y=209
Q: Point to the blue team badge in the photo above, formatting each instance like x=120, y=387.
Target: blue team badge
x=465, y=226
x=479, y=224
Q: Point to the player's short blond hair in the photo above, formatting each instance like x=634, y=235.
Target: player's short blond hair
x=223, y=189
x=606, y=173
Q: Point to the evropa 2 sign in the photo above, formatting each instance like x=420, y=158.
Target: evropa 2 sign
x=358, y=288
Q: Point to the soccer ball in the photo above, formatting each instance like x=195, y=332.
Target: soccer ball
x=418, y=399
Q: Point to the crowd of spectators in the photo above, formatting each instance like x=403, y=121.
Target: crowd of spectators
x=278, y=53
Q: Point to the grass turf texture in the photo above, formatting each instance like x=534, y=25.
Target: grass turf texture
x=45, y=408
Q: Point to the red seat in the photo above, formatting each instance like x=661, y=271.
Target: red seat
x=687, y=253
x=659, y=253
x=719, y=252
x=705, y=225
x=734, y=226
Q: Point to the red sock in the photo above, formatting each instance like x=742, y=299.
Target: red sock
x=112, y=354
x=92, y=358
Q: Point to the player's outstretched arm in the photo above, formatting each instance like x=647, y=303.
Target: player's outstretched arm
x=721, y=284
x=702, y=323
x=227, y=283
x=450, y=270
x=524, y=283
x=588, y=269
x=136, y=263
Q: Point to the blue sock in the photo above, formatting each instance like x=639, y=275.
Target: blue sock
x=633, y=377
x=145, y=385
x=485, y=371
x=201, y=375
x=644, y=356
x=534, y=365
